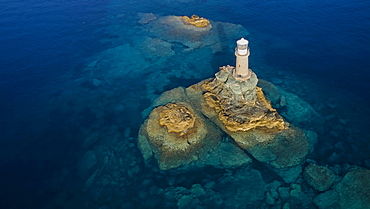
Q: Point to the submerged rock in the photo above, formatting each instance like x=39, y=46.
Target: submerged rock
x=86, y=163
x=319, y=177
x=154, y=48
x=289, y=175
x=354, y=190
x=146, y=17
x=96, y=82
x=292, y=108
x=327, y=200
x=301, y=113
x=286, y=149
x=271, y=91
x=243, y=189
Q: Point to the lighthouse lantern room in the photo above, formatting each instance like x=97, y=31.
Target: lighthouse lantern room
x=242, y=71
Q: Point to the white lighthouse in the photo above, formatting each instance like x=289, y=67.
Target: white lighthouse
x=242, y=71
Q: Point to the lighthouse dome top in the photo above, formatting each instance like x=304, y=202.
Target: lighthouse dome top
x=242, y=41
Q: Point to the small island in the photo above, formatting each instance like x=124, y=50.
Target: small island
x=187, y=127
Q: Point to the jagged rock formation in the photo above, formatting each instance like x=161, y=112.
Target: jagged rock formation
x=240, y=105
x=241, y=110
x=177, y=134
x=197, y=21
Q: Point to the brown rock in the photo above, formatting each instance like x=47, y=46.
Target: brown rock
x=176, y=145
x=197, y=21
x=247, y=116
x=177, y=118
x=241, y=106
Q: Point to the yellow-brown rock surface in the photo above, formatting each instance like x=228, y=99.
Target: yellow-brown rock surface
x=196, y=21
x=177, y=118
x=249, y=119
x=248, y=116
x=176, y=135
x=240, y=112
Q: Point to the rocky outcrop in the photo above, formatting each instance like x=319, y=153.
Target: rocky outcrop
x=179, y=136
x=243, y=112
x=241, y=115
x=197, y=21
x=240, y=105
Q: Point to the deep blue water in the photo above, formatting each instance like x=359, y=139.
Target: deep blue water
x=45, y=47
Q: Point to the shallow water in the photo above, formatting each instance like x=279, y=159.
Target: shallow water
x=53, y=51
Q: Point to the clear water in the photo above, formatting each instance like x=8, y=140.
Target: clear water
x=49, y=105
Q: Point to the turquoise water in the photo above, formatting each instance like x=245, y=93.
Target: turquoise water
x=73, y=82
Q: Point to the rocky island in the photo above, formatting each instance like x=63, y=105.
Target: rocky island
x=187, y=127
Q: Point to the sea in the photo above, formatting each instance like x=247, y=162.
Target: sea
x=73, y=84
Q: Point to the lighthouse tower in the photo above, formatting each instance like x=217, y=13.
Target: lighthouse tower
x=242, y=72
